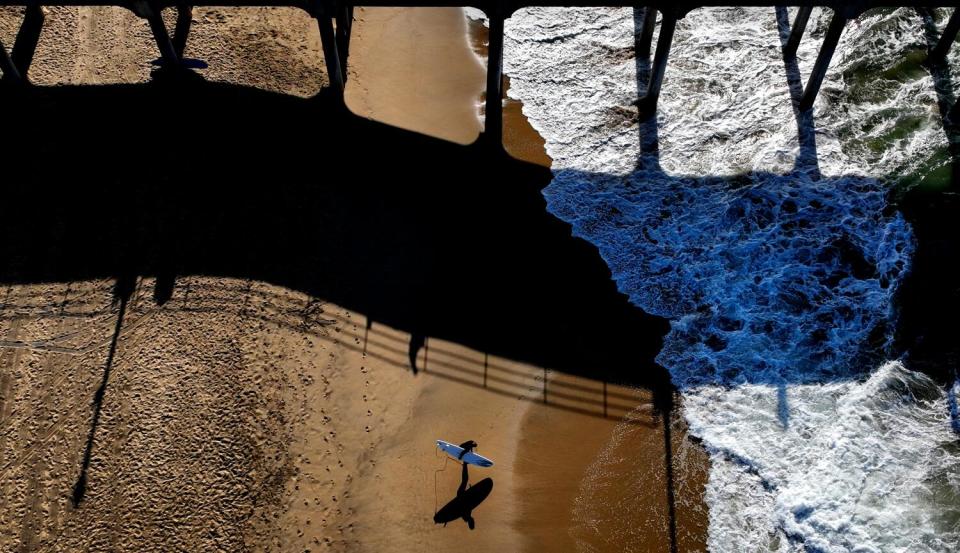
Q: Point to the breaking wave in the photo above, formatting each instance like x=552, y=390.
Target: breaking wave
x=765, y=238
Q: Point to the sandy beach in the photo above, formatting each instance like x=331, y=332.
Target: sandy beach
x=245, y=407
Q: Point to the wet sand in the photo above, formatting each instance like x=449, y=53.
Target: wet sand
x=249, y=414
x=413, y=69
x=551, y=449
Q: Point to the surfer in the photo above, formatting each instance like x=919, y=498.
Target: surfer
x=467, y=447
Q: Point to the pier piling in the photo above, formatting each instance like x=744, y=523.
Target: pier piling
x=335, y=21
x=167, y=51
x=940, y=51
x=796, y=32
x=9, y=70
x=27, y=38
x=331, y=53
x=344, y=24
x=182, y=29
x=648, y=104
x=823, y=61
x=493, y=121
x=646, y=32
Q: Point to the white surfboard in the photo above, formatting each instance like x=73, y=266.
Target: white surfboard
x=472, y=458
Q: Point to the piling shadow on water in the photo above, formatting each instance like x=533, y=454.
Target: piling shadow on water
x=929, y=299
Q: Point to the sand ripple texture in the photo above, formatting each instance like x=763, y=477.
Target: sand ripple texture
x=195, y=449
x=275, y=49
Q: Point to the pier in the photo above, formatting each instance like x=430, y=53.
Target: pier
x=334, y=20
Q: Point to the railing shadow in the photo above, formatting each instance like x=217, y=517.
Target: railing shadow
x=580, y=394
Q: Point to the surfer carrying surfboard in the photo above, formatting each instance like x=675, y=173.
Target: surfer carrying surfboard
x=468, y=497
x=467, y=447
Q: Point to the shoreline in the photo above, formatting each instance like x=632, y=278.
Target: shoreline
x=549, y=520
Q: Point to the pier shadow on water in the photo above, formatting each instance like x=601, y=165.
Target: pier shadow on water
x=929, y=300
x=755, y=207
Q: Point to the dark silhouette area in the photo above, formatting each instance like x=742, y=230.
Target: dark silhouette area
x=198, y=178
x=929, y=298
x=467, y=499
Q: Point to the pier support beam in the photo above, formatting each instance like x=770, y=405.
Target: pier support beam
x=182, y=30
x=167, y=52
x=344, y=26
x=823, y=61
x=331, y=54
x=493, y=124
x=796, y=32
x=151, y=12
x=648, y=104
x=940, y=51
x=645, y=41
x=27, y=38
x=7, y=67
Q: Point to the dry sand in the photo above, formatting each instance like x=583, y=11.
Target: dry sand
x=271, y=48
x=242, y=416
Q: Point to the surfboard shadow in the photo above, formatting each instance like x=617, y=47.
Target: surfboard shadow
x=468, y=498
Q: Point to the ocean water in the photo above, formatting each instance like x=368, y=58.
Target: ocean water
x=767, y=240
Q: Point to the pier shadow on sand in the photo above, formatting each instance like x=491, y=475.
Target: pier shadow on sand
x=197, y=178
x=425, y=236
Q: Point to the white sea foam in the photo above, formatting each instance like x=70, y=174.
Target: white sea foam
x=476, y=14
x=862, y=466
x=776, y=271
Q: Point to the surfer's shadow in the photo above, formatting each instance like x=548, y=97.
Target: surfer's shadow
x=468, y=498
